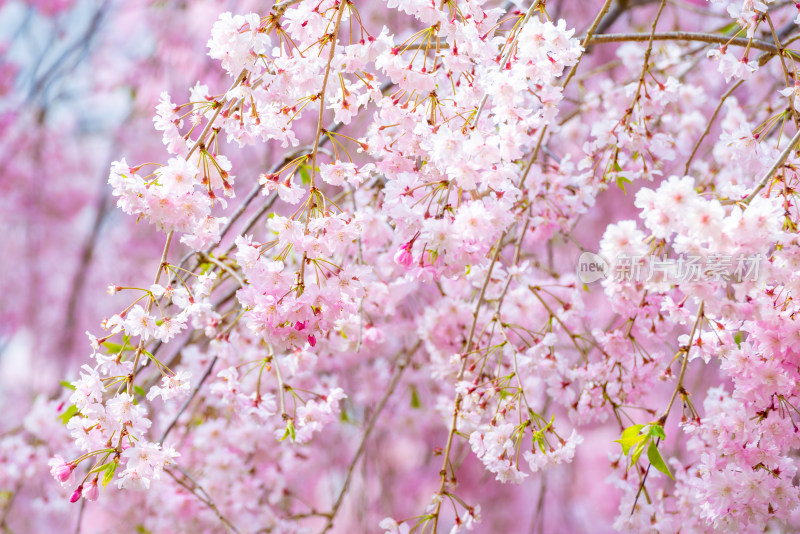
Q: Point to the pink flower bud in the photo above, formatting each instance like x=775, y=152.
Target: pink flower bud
x=62, y=471
x=92, y=492
x=76, y=495
x=312, y=340
x=403, y=256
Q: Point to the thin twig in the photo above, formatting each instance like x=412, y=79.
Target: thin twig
x=570, y=75
x=401, y=366
x=768, y=175
x=461, y=371
x=588, y=38
x=710, y=124
x=221, y=265
x=281, y=386
x=684, y=363
x=508, y=53
x=205, y=498
x=148, y=307
x=80, y=517
x=321, y=97
x=188, y=401
x=786, y=74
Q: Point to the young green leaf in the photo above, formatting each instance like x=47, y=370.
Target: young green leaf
x=729, y=29
x=290, y=433
x=415, y=402
x=109, y=473
x=304, y=176
x=639, y=449
x=67, y=415
x=656, y=460
x=114, y=348
x=621, y=181
x=630, y=437
x=656, y=431
x=540, y=441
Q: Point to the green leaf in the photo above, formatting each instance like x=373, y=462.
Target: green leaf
x=656, y=431
x=111, y=468
x=656, y=460
x=67, y=385
x=621, y=181
x=67, y=415
x=737, y=337
x=139, y=390
x=99, y=468
x=112, y=347
x=639, y=449
x=415, y=402
x=630, y=437
x=290, y=433
x=729, y=28
x=304, y=176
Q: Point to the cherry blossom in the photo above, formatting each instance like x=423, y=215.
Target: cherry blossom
x=403, y=266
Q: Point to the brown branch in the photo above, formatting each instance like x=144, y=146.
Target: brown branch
x=709, y=38
x=685, y=36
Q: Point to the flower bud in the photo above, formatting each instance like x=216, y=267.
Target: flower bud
x=76, y=495
x=92, y=492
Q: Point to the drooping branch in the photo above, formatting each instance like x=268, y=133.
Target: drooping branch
x=685, y=36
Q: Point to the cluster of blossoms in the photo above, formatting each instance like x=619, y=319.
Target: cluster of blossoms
x=386, y=296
